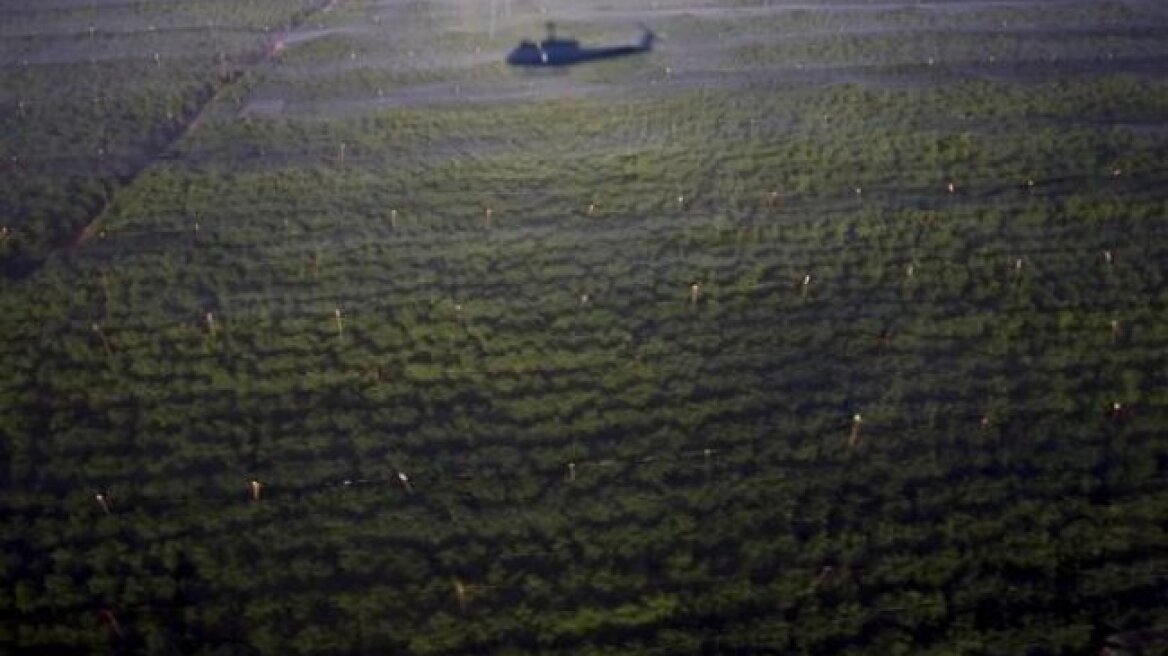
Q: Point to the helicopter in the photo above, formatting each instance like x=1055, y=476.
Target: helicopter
x=554, y=51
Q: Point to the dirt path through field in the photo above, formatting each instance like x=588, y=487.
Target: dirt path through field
x=249, y=62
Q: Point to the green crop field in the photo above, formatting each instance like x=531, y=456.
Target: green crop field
x=822, y=328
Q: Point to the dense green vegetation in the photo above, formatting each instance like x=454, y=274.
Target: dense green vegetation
x=710, y=356
x=91, y=92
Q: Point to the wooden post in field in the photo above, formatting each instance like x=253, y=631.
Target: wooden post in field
x=826, y=574
x=854, y=436
x=103, y=502
x=111, y=621
x=109, y=353
x=695, y=292
x=460, y=594
x=105, y=291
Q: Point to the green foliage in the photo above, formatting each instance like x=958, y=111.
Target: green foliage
x=528, y=434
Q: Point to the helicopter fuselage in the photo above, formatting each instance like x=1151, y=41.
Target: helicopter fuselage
x=553, y=51
x=557, y=55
